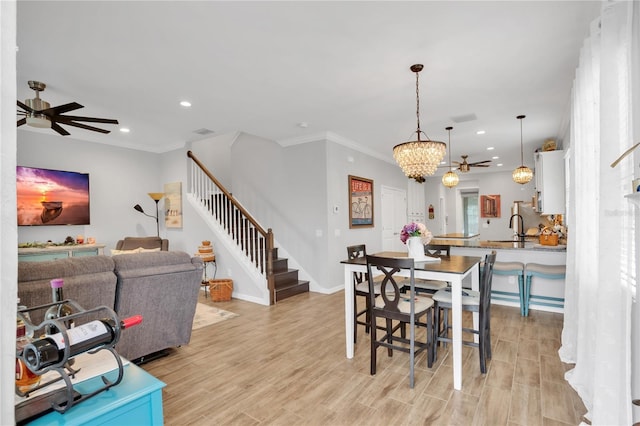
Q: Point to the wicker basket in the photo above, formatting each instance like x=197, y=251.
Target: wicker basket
x=221, y=290
x=549, y=239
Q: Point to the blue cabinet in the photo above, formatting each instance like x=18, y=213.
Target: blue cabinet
x=59, y=252
x=137, y=400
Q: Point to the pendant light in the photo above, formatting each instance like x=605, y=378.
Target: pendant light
x=419, y=158
x=522, y=174
x=450, y=179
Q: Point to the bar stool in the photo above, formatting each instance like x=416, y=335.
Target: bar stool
x=517, y=269
x=550, y=272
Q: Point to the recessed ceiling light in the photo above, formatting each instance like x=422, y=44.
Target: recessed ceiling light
x=495, y=157
x=480, y=132
x=124, y=130
x=499, y=164
x=490, y=148
x=185, y=104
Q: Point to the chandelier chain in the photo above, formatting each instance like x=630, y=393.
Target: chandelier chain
x=418, y=104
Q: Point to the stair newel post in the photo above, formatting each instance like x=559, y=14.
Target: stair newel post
x=270, y=277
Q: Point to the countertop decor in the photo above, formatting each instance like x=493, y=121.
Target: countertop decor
x=501, y=244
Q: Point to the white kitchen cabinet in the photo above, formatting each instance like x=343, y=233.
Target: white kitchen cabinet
x=549, y=178
x=415, y=202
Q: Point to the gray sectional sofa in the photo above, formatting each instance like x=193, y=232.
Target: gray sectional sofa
x=162, y=286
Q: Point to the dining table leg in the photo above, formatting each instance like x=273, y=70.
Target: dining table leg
x=456, y=330
x=348, y=309
x=475, y=285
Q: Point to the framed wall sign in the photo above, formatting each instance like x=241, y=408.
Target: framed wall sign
x=361, y=202
x=173, y=205
x=489, y=206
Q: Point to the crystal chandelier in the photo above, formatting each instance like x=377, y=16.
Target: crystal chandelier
x=522, y=174
x=450, y=179
x=419, y=158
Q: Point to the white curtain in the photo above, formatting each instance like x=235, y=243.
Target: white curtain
x=601, y=254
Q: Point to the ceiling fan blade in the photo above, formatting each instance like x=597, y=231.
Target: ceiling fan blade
x=24, y=107
x=22, y=121
x=479, y=162
x=59, y=129
x=83, y=126
x=68, y=118
x=480, y=165
x=72, y=106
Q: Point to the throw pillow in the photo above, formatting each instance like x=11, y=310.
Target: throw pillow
x=115, y=252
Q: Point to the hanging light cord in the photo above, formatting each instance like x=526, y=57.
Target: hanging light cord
x=521, y=147
x=449, y=130
x=418, y=104
x=520, y=117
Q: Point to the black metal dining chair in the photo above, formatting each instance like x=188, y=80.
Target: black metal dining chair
x=360, y=289
x=407, y=309
x=472, y=301
x=432, y=286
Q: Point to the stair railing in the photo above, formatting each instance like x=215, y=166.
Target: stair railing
x=253, y=240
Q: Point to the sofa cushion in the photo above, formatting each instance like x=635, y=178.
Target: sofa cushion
x=132, y=243
x=115, y=252
x=163, y=287
x=89, y=280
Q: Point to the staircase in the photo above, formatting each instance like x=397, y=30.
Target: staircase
x=255, y=243
x=286, y=280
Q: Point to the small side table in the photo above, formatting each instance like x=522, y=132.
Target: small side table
x=205, y=277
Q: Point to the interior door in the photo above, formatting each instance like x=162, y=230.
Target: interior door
x=394, y=217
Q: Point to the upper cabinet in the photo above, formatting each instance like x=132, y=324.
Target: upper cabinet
x=415, y=202
x=550, y=186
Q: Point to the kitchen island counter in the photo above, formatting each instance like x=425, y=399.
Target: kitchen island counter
x=546, y=295
x=506, y=245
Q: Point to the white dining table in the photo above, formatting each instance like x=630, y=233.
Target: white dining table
x=454, y=269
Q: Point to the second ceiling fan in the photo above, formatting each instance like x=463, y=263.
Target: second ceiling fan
x=465, y=166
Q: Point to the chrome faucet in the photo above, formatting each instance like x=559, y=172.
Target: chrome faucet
x=518, y=235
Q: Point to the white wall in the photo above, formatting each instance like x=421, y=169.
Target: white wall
x=119, y=179
x=341, y=162
x=8, y=231
x=488, y=183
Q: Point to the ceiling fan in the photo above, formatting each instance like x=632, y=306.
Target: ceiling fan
x=465, y=167
x=38, y=113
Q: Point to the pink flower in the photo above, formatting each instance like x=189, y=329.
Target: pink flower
x=414, y=229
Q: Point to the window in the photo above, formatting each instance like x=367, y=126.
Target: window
x=470, y=211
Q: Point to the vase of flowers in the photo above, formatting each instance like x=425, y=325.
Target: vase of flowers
x=415, y=236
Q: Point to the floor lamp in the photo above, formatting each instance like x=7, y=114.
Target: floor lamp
x=155, y=196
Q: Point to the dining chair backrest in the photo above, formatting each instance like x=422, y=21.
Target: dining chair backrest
x=486, y=279
x=391, y=283
x=436, y=250
x=356, y=252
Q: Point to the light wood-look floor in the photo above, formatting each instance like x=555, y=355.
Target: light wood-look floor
x=286, y=365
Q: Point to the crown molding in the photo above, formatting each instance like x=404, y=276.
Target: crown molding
x=335, y=138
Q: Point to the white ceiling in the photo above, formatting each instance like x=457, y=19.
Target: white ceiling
x=342, y=67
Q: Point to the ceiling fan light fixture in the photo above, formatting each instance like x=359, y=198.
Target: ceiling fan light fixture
x=522, y=174
x=419, y=158
x=40, y=121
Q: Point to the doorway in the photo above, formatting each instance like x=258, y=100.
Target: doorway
x=394, y=217
x=470, y=211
